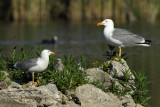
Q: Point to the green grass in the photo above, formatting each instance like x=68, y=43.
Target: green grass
x=71, y=77
x=2, y=76
x=141, y=91
x=139, y=86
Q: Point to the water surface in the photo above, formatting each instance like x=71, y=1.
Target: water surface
x=87, y=39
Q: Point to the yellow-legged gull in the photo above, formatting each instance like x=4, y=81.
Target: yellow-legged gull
x=35, y=64
x=121, y=37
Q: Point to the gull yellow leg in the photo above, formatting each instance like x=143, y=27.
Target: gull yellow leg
x=120, y=51
x=34, y=83
x=28, y=84
x=32, y=77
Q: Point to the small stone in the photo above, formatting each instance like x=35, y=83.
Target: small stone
x=15, y=85
x=5, y=73
x=4, y=84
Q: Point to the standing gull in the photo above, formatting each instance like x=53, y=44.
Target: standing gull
x=121, y=37
x=35, y=64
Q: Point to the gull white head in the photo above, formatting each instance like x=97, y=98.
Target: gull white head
x=106, y=23
x=46, y=53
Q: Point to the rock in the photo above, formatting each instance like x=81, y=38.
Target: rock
x=69, y=94
x=70, y=104
x=138, y=105
x=49, y=94
x=86, y=95
x=120, y=67
x=29, y=84
x=54, y=90
x=91, y=96
x=5, y=73
x=96, y=74
x=37, y=96
x=128, y=102
x=7, y=102
x=15, y=85
x=4, y=84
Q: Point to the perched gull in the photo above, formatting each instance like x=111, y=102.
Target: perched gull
x=121, y=37
x=35, y=64
x=59, y=66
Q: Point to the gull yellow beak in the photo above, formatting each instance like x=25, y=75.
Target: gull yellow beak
x=53, y=53
x=99, y=24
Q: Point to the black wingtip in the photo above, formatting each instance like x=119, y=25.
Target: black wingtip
x=150, y=41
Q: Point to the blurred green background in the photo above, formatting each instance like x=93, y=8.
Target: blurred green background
x=80, y=10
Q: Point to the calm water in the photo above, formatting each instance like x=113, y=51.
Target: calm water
x=87, y=39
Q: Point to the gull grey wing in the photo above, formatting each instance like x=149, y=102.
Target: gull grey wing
x=25, y=65
x=127, y=37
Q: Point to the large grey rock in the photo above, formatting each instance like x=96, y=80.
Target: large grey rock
x=91, y=96
x=96, y=74
x=7, y=102
x=36, y=96
x=48, y=95
x=120, y=67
